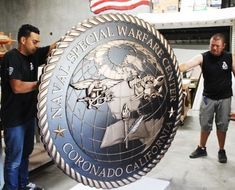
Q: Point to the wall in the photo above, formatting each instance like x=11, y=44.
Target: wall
x=53, y=17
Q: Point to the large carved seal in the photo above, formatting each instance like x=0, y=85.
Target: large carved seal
x=110, y=100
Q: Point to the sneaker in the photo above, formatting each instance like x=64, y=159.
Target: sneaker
x=222, y=156
x=32, y=186
x=199, y=152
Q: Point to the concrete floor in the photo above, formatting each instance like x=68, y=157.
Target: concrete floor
x=176, y=167
x=201, y=173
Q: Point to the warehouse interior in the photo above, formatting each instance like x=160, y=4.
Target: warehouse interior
x=187, y=25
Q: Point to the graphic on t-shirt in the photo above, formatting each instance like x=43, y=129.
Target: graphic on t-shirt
x=224, y=66
x=11, y=69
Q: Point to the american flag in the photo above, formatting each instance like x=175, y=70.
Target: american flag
x=98, y=6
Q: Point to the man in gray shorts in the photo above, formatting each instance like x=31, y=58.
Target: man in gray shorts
x=217, y=66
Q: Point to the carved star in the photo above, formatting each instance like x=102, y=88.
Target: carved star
x=59, y=131
x=171, y=112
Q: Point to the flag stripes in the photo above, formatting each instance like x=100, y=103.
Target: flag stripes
x=98, y=6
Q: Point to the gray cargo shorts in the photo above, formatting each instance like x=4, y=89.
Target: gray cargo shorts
x=218, y=109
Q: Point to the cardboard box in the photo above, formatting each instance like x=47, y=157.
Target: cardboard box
x=215, y=3
x=186, y=5
x=163, y=6
x=200, y=5
x=193, y=5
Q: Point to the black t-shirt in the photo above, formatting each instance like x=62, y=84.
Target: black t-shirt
x=217, y=75
x=19, y=108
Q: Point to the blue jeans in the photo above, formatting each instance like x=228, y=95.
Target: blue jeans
x=19, y=141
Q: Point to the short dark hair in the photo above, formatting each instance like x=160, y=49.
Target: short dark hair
x=219, y=36
x=25, y=30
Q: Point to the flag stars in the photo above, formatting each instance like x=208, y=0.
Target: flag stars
x=59, y=131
